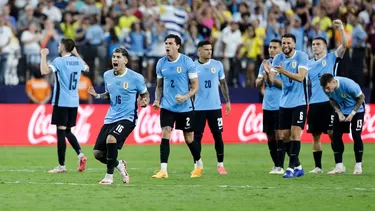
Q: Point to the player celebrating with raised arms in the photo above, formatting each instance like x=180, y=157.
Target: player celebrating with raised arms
x=122, y=87
x=177, y=82
x=207, y=104
x=67, y=70
x=321, y=114
x=347, y=99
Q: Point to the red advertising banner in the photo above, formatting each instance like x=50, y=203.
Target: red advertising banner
x=24, y=125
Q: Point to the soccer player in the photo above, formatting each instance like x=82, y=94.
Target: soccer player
x=122, y=87
x=67, y=70
x=177, y=82
x=207, y=104
x=321, y=114
x=347, y=99
x=291, y=64
x=270, y=104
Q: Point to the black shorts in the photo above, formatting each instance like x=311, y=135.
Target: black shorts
x=344, y=127
x=214, y=118
x=184, y=121
x=270, y=121
x=120, y=130
x=64, y=116
x=320, y=118
x=289, y=117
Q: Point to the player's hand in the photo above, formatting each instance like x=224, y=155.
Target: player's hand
x=349, y=118
x=280, y=68
x=228, y=108
x=341, y=117
x=143, y=102
x=44, y=51
x=156, y=104
x=181, y=98
x=92, y=91
x=337, y=23
x=267, y=66
x=74, y=51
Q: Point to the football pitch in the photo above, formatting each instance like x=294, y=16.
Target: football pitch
x=25, y=184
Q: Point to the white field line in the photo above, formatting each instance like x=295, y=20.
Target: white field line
x=173, y=185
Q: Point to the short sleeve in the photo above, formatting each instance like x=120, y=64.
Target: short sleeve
x=191, y=69
x=303, y=61
x=141, y=85
x=221, y=71
x=352, y=88
x=158, y=69
x=55, y=64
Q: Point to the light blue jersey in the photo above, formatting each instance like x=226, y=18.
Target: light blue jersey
x=208, y=96
x=176, y=77
x=293, y=93
x=317, y=68
x=123, y=92
x=345, y=95
x=272, y=93
x=67, y=71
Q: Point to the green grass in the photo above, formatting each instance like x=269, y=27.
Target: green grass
x=25, y=185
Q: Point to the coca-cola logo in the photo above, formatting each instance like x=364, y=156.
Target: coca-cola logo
x=40, y=129
x=148, y=128
x=250, y=125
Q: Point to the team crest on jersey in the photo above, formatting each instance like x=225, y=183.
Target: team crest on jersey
x=324, y=63
x=126, y=85
x=179, y=69
x=294, y=64
x=213, y=70
x=343, y=95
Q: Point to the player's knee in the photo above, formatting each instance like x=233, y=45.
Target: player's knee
x=316, y=137
x=330, y=134
x=111, y=140
x=166, y=132
x=188, y=137
x=98, y=154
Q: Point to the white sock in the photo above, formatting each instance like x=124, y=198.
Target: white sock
x=358, y=165
x=290, y=169
x=81, y=155
x=163, y=166
x=298, y=167
x=62, y=166
x=109, y=176
x=119, y=164
x=220, y=164
x=195, y=165
x=199, y=163
x=340, y=165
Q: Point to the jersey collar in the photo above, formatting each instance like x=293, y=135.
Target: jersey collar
x=126, y=71
x=338, y=82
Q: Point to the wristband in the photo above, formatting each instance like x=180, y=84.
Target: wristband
x=353, y=113
x=97, y=96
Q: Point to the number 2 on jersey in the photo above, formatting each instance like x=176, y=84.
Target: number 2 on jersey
x=172, y=83
x=73, y=81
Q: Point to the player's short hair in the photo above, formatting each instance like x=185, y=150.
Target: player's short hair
x=277, y=41
x=204, y=42
x=121, y=50
x=176, y=38
x=289, y=35
x=321, y=38
x=68, y=43
x=325, y=79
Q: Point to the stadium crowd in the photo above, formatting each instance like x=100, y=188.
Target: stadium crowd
x=241, y=31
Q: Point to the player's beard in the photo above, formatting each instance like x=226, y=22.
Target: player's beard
x=287, y=51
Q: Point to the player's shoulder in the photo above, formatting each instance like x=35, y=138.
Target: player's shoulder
x=135, y=75
x=108, y=73
x=185, y=58
x=278, y=57
x=301, y=54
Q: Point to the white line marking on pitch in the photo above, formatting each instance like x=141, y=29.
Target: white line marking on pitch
x=163, y=185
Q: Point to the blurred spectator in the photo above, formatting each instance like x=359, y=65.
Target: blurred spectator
x=14, y=54
x=90, y=8
x=5, y=38
x=69, y=26
x=83, y=85
x=38, y=89
x=8, y=18
x=50, y=40
x=136, y=43
x=27, y=19
x=53, y=13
